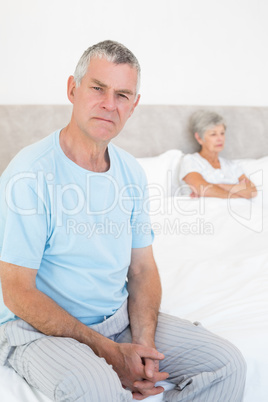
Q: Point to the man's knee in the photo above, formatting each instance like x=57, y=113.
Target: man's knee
x=231, y=372
x=99, y=385
x=238, y=367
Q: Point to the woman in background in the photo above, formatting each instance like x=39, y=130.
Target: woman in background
x=205, y=172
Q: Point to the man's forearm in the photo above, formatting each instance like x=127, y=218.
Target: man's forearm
x=33, y=306
x=44, y=314
x=144, y=302
x=126, y=359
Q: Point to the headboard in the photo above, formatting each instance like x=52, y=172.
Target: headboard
x=151, y=130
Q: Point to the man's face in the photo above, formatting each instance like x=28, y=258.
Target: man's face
x=105, y=99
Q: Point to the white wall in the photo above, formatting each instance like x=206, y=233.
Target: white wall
x=191, y=51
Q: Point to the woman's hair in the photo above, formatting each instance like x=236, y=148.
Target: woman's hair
x=202, y=120
x=113, y=52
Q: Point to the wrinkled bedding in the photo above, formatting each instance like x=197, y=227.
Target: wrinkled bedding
x=214, y=269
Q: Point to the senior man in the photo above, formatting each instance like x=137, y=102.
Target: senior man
x=80, y=314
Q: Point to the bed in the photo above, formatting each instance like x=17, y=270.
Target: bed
x=212, y=253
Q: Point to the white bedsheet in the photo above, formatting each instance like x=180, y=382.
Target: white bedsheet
x=219, y=279
x=213, y=260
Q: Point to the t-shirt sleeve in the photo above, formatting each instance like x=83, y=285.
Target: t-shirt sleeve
x=23, y=220
x=142, y=233
x=189, y=165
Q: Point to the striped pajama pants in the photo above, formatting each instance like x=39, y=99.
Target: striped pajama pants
x=204, y=367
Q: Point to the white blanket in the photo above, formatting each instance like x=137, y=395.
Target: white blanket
x=214, y=269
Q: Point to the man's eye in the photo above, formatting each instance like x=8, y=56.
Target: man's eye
x=123, y=96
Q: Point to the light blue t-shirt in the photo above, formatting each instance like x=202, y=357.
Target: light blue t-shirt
x=76, y=227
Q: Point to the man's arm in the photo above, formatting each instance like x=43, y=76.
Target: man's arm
x=144, y=289
x=33, y=306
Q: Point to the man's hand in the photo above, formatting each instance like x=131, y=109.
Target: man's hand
x=138, y=368
x=147, y=387
x=144, y=289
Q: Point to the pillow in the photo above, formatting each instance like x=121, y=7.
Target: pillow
x=162, y=172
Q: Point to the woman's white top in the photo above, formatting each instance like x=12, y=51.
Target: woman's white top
x=228, y=173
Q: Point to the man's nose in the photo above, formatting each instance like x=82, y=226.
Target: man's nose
x=109, y=101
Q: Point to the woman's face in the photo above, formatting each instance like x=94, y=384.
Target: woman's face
x=213, y=139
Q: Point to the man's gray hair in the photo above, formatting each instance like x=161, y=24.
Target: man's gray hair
x=113, y=52
x=203, y=120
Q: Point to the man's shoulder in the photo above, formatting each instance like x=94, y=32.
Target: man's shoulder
x=122, y=153
x=27, y=158
x=126, y=158
x=127, y=166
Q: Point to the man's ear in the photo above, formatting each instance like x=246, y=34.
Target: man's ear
x=135, y=105
x=198, y=138
x=71, y=85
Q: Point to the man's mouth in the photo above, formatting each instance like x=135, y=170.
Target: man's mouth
x=103, y=119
